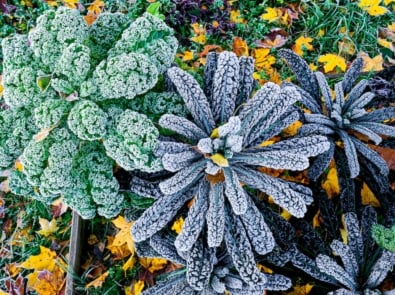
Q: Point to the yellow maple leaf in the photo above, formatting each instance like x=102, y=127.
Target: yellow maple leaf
x=129, y=263
x=152, y=264
x=47, y=227
x=200, y=39
x=372, y=7
x=292, y=129
x=135, y=289
x=368, y=197
x=272, y=14
x=235, y=16
x=118, y=252
x=371, y=64
x=177, y=225
x=331, y=183
x=302, y=43
x=300, y=290
x=187, y=56
x=46, y=260
x=263, y=268
x=385, y=43
x=263, y=61
x=46, y=282
x=332, y=61
x=124, y=236
x=98, y=282
x=71, y=3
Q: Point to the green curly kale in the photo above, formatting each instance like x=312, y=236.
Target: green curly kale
x=67, y=89
x=384, y=237
x=132, y=142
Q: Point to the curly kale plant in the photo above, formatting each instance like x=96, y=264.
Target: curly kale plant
x=217, y=151
x=363, y=266
x=342, y=117
x=71, y=86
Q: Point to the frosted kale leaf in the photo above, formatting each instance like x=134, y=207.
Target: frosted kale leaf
x=363, y=265
x=212, y=157
x=342, y=117
x=221, y=276
x=384, y=237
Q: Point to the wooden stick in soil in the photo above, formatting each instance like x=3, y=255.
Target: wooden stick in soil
x=74, y=253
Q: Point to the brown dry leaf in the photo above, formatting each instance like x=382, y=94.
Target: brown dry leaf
x=15, y=287
x=346, y=47
x=12, y=269
x=240, y=46
x=58, y=207
x=387, y=154
x=42, y=134
x=275, y=39
x=152, y=264
x=4, y=186
x=208, y=48
x=98, y=282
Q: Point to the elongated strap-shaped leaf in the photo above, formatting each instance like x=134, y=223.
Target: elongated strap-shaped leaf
x=354, y=236
x=339, y=94
x=306, y=99
x=145, y=188
x=246, y=80
x=277, y=282
x=170, y=147
x=302, y=71
x=371, y=156
x=308, y=265
x=378, y=116
x=234, y=192
x=310, y=239
x=260, y=235
x=329, y=266
x=377, y=181
x=347, y=256
x=288, y=96
x=365, y=131
x=346, y=183
x=319, y=119
x=380, y=269
x=281, y=191
x=208, y=74
x=158, y=215
x=216, y=216
x=321, y=162
x=183, y=178
x=199, y=266
x=273, y=159
x=182, y=126
x=379, y=128
x=355, y=93
x=310, y=129
x=195, y=221
x=260, y=135
x=226, y=83
x=309, y=146
x=177, y=161
x=351, y=153
x=325, y=91
x=359, y=103
x=194, y=98
x=352, y=74
x=369, y=217
x=164, y=245
x=239, y=248
x=144, y=249
x=256, y=106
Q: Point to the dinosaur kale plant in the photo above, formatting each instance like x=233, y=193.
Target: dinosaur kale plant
x=343, y=119
x=363, y=267
x=217, y=150
x=223, y=276
x=68, y=90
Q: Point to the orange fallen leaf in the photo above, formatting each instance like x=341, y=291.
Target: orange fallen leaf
x=239, y=46
x=153, y=264
x=275, y=39
x=368, y=197
x=98, y=282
